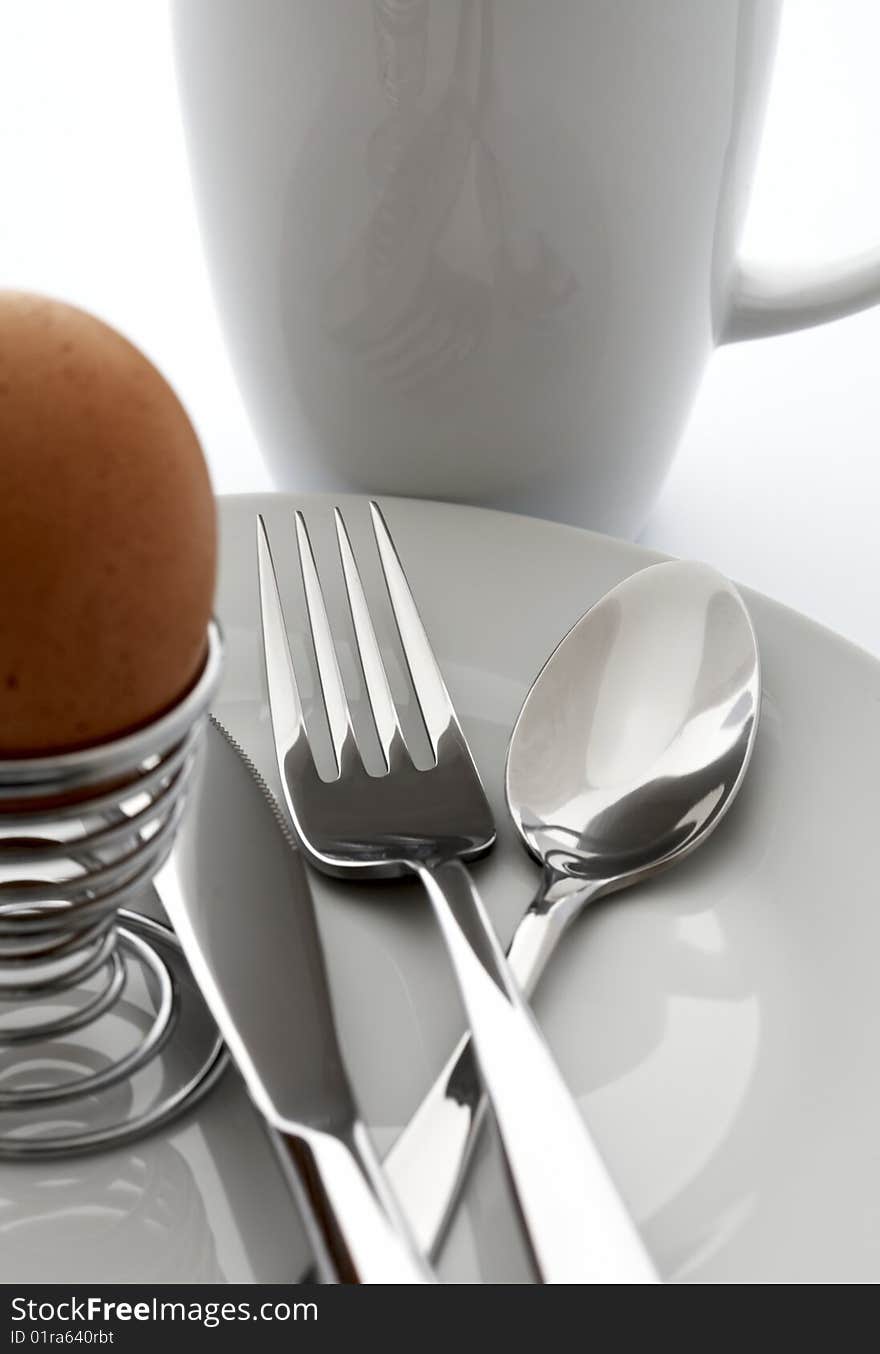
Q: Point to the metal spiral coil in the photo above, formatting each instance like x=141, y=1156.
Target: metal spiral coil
x=82, y=835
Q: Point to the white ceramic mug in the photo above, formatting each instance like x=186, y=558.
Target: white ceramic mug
x=482, y=249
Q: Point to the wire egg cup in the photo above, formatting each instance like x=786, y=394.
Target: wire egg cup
x=82, y=835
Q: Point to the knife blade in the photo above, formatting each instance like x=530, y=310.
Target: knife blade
x=238, y=897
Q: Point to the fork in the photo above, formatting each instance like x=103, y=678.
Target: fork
x=428, y=823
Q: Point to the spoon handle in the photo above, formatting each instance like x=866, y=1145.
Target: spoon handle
x=577, y=1225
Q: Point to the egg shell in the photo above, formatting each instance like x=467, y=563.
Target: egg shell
x=107, y=533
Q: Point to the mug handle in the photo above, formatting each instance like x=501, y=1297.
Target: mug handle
x=767, y=300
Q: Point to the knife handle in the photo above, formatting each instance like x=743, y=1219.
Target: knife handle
x=357, y=1230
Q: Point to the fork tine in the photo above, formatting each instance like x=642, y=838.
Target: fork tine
x=329, y=677
x=433, y=698
x=378, y=690
x=285, y=706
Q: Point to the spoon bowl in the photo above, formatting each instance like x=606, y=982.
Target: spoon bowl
x=636, y=735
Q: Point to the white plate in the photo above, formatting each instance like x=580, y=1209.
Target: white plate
x=719, y=1024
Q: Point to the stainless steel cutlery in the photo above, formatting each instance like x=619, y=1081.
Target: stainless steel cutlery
x=428, y=824
x=629, y=749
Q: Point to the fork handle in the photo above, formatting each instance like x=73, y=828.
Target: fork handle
x=576, y=1223
x=428, y=1161
x=356, y=1230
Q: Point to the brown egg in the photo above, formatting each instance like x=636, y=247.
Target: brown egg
x=107, y=533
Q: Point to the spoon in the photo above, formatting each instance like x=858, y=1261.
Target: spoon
x=628, y=751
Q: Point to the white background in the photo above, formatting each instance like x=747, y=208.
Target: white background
x=778, y=478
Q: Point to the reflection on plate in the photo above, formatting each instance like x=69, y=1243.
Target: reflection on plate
x=137, y=1217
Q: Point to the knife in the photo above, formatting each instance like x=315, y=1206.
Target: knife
x=237, y=895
